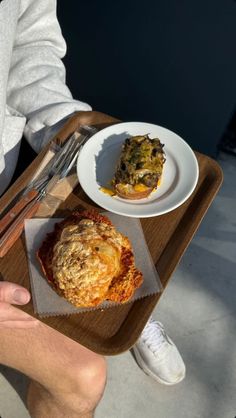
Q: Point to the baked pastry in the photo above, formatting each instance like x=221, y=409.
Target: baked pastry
x=139, y=168
x=87, y=261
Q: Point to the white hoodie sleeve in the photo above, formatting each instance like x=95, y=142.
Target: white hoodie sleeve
x=36, y=85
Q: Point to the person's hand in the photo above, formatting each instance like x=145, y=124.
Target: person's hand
x=11, y=317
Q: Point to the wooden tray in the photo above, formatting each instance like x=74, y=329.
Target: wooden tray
x=116, y=329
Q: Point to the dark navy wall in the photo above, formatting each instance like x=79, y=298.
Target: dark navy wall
x=169, y=62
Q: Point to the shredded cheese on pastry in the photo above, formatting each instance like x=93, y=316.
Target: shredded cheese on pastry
x=90, y=262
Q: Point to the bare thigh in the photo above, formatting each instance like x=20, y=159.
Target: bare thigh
x=43, y=354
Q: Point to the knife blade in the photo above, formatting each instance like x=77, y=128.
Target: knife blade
x=36, y=184
x=15, y=229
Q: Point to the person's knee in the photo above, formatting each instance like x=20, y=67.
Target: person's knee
x=85, y=384
x=91, y=378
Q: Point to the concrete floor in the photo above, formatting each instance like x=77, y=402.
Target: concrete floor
x=198, y=310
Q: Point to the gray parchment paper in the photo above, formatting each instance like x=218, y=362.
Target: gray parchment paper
x=46, y=301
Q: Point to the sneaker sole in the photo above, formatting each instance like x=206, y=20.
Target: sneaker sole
x=149, y=372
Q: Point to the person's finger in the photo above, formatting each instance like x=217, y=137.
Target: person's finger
x=15, y=318
x=13, y=293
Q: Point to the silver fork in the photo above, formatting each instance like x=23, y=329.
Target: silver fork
x=46, y=168
x=34, y=188
x=58, y=171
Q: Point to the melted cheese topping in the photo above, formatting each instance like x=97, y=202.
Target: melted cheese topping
x=139, y=187
x=105, y=190
x=86, y=259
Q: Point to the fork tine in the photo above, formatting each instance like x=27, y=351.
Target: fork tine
x=62, y=156
x=73, y=155
x=68, y=166
x=69, y=154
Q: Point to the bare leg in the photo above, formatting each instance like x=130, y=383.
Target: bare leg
x=68, y=379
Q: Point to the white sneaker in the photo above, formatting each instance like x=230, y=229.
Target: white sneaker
x=158, y=356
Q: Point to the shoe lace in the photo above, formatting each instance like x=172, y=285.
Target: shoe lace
x=154, y=336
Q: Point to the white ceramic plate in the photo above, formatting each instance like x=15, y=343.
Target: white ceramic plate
x=98, y=159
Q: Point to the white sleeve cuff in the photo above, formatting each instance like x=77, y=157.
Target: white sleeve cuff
x=43, y=124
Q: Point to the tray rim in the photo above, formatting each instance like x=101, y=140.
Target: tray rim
x=110, y=347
